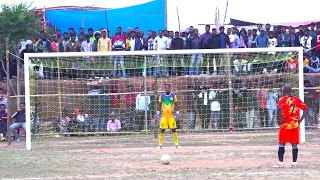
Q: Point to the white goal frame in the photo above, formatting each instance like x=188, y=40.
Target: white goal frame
x=27, y=57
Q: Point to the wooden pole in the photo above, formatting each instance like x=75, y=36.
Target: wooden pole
x=8, y=91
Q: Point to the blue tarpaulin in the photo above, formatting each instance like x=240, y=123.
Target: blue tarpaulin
x=151, y=15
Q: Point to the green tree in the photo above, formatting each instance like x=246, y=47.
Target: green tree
x=19, y=22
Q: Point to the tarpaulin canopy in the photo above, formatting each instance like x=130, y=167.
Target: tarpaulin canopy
x=146, y=16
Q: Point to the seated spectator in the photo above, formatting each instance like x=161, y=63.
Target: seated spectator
x=3, y=122
x=314, y=62
x=82, y=119
x=114, y=125
x=63, y=125
x=20, y=121
x=307, y=67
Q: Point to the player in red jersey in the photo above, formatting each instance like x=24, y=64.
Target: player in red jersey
x=289, y=107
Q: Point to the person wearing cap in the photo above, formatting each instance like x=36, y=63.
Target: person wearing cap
x=262, y=39
x=104, y=43
x=97, y=36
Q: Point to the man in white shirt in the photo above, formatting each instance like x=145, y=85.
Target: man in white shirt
x=161, y=43
x=306, y=42
x=82, y=119
x=215, y=108
x=142, y=105
x=86, y=46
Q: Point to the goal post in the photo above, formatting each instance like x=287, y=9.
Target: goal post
x=196, y=68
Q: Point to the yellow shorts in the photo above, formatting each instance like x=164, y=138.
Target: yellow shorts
x=166, y=123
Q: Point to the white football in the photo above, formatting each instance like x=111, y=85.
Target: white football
x=165, y=159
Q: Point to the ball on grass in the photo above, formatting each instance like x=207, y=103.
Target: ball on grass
x=165, y=159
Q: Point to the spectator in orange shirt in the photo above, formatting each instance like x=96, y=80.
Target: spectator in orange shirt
x=262, y=98
x=289, y=107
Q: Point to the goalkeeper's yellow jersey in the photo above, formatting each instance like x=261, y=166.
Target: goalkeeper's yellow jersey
x=167, y=104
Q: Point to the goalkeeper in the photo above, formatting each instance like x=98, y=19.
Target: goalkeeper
x=168, y=103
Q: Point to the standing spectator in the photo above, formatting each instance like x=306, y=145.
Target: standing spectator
x=114, y=125
x=293, y=38
x=214, y=42
x=276, y=31
x=283, y=38
x=130, y=101
x=252, y=40
x=28, y=49
x=129, y=30
x=203, y=105
x=308, y=99
x=127, y=36
x=122, y=37
x=306, y=43
x=234, y=38
x=44, y=45
x=191, y=109
x=300, y=33
x=137, y=30
x=268, y=27
x=206, y=36
x=81, y=38
x=152, y=60
x=243, y=38
x=119, y=45
x=74, y=46
x=58, y=35
x=272, y=97
x=81, y=33
x=87, y=46
x=96, y=109
x=144, y=41
x=165, y=33
x=161, y=43
x=90, y=32
x=55, y=44
x=20, y=121
x=272, y=42
x=317, y=42
x=195, y=42
x=3, y=121
x=250, y=101
x=262, y=98
x=153, y=108
x=142, y=105
x=190, y=33
x=104, y=43
x=214, y=97
x=97, y=36
x=64, y=42
x=225, y=42
x=177, y=44
x=262, y=39
x=259, y=27
x=170, y=37
x=229, y=31
x=312, y=30
x=183, y=36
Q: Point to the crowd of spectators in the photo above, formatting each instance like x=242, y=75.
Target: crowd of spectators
x=135, y=40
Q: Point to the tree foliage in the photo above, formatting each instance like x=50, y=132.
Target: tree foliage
x=18, y=22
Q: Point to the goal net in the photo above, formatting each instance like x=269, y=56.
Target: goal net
x=224, y=89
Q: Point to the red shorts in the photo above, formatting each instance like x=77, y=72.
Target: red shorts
x=289, y=135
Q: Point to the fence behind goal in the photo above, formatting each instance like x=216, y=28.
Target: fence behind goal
x=224, y=89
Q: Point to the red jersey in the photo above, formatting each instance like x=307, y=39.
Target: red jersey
x=291, y=107
x=292, y=64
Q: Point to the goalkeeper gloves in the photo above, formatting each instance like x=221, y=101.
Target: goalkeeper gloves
x=177, y=116
x=157, y=117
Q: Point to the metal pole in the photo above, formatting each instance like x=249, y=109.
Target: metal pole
x=230, y=95
x=145, y=94
x=225, y=13
x=18, y=76
x=59, y=95
x=8, y=91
